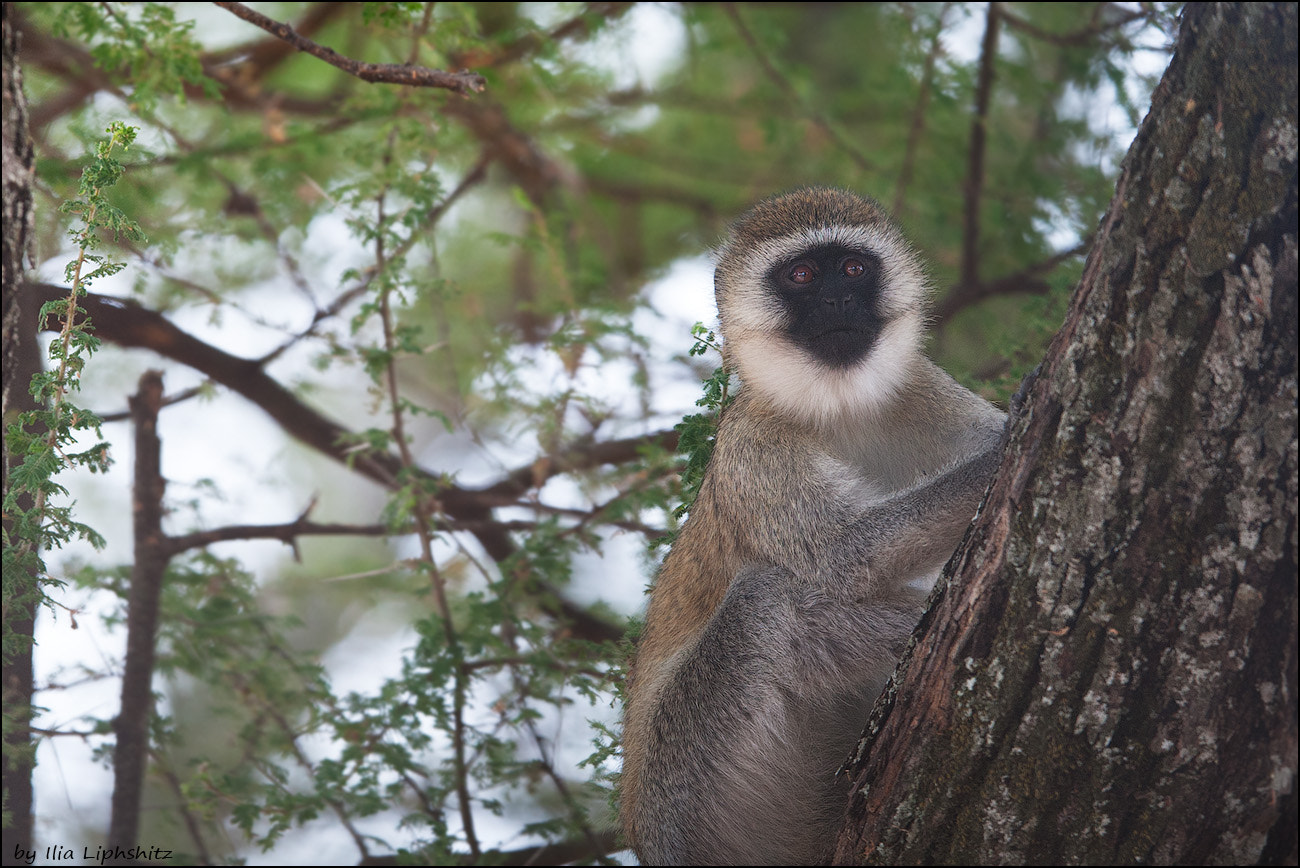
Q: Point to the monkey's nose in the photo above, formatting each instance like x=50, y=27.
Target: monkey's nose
x=840, y=304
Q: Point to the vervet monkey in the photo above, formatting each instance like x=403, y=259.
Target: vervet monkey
x=844, y=475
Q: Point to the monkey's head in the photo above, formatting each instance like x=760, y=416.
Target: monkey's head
x=822, y=303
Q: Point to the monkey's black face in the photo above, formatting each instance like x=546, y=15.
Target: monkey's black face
x=832, y=296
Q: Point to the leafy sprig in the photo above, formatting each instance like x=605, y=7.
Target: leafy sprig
x=43, y=438
x=698, y=431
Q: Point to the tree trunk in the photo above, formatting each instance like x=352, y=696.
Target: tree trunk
x=20, y=360
x=1110, y=675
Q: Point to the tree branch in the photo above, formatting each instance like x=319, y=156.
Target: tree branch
x=582, y=457
x=258, y=57
x=1023, y=282
x=285, y=533
x=463, y=82
x=129, y=324
x=579, y=25
x=131, y=727
x=473, y=177
x=125, y=415
x=535, y=172
x=1082, y=36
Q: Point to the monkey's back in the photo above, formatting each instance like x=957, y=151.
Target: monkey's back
x=716, y=542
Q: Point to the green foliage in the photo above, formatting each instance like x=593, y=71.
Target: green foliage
x=698, y=431
x=143, y=44
x=462, y=283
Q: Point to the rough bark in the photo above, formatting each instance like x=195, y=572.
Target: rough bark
x=1110, y=675
x=17, y=170
x=20, y=360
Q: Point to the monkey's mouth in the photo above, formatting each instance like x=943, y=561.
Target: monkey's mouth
x=837, y=340
x=842, y=346
x=842, y=334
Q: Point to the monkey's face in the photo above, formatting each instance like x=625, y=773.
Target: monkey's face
x=832, y=300
x=822, y=304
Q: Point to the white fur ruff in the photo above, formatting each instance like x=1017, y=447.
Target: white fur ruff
x=802, y=387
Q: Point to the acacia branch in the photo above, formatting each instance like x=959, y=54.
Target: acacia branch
x=581, y=457
x=262, y=55
x=579, y=25
x=463, y=82
x=474, y=176
x=71, y=62
x=535, y=172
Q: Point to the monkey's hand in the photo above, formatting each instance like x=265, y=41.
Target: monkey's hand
x=1018, y=401
x=912, y=534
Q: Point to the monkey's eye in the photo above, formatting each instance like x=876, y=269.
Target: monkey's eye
x=854, y=267
x=802, y=273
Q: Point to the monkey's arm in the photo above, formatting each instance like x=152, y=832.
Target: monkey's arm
x=913, y=533
x=747, y=730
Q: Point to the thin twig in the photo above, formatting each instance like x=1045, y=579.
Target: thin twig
x=424, y=509
x=579, y=25
x=1023, y=282
x=474, y=176
x=463, y=82
x=183, y=808
x=125, y=415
